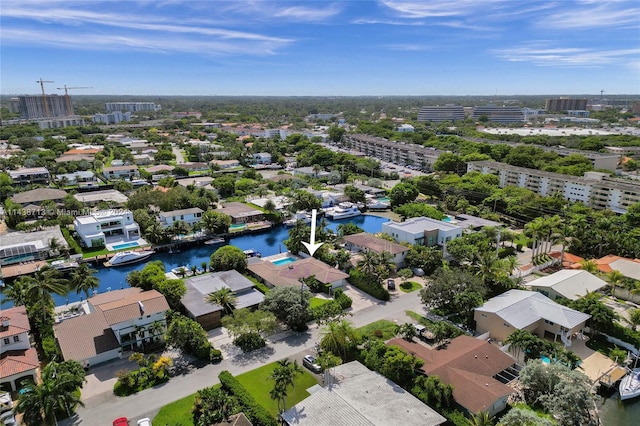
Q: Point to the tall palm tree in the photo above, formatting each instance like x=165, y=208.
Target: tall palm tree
x=589, y=265
x=223, y=297
x=41, y=284
x=284, y=375
x=339, y=338
x=156, y=329
x=535, y=228
x=57, y=393
x=615, y=278
x=552, y=224
x=517, y=341
x=54, y=246
x=634, y=318
x=83, y=279
x=16, y=292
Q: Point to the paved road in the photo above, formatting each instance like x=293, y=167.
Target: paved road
x=101, y=409
x=179, y=158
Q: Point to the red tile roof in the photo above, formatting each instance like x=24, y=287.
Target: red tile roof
x=375, y=244
x=17, y=362
x=133, y=306
x=18, y=321
x=289, y=274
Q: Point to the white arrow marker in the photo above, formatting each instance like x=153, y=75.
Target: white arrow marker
x=311, y=245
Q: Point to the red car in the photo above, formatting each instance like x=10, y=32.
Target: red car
x=121, y=421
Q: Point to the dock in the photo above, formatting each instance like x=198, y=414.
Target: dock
x=24, y=268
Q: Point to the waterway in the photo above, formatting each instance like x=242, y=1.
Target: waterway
x=614, y=412
x=267, y=243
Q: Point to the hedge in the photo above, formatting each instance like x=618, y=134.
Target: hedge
x=256, y=413
x=344, y=300
x=368, y=285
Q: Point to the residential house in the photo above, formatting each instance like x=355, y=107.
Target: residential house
x=477, y=370
x=17, y=247
x=189, y=216
x=472, y=223
x=567, y=284
x=18, y=360
x=225, y=164
x=78, y=177
x=262, y=158
x=280, y=202
x=195, y=167
x=531, y=311
x=111, y=196
x=197, y=181
x=160, y=168
x=310, y=172
x=121, y=172
x=355, y=395
x=96, y=229
x=630, y=268
x=241, y=213
x=111, y=325
x=368, y=242
x=405, y=128
x=423, y=231
x=290, y=274
x=142, y=159
x=198, y=287
x=30, y=176
x=38, y=196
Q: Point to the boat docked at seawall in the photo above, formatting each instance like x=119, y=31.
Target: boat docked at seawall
x=215, y=241
x=64, y=265
x=630, y=385
x=302, y=215
x=128, y=257
x=343, y=211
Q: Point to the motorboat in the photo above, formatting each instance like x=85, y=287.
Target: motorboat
x=128, y=257
x=252, y=253
x=301, y=215
x=215, y=241
x=64, y=265
x=181, y=270
x=343, y=211
x=630, y=385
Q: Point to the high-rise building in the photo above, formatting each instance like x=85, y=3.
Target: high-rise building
x=132, y=106
x=564, y=104
x=499, y=114
x=440, y=113
x=33, y=106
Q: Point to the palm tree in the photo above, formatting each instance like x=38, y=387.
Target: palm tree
x=156, y=329
x=84, y=280
x=615, y=278
x=517, y=341
x=16, y=292
x=270, y=206
x=223, y=297
x=155, y=233
x=54, y=246
x=41, y=284
x=284, y=375
x=634, y=318
x=511, y=263
x=481, y=419
x=57, y=393
x=339, y=338
x=535, y=229
x=489, y=267
x=316, y=169
x=407, y=331
x=589, y=265
x=194, y=269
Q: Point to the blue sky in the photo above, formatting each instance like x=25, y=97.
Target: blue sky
x=430, y=47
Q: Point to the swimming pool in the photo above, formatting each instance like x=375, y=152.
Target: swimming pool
x=125, y=245
x=238, y=226
x=284, y=261
x=545, y=359
x=383, y=200
x=447, y=219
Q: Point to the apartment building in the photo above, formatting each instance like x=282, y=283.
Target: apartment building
x=499, y=114
x=394, y=152
x=114, y=117
x=38, y=106
x=440, y=113
x=595, y=189
x=564, y=104
x=132, y=106
x=625, y=151
x=30, y=176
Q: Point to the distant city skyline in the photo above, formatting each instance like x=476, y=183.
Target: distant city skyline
x=321, y=48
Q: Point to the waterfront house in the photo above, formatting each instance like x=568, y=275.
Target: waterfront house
x=477, y=371
x=567, y=284
x=423, y=231
x=290, y=274
x=95, y=229
x=111, y=325
x=189, y=216
x=30, y=176
x=17, y=247
x=368, y=242
x=208, y=315
x=528, y=310
x=355, y=395
x=241, y=213
x=18, y=360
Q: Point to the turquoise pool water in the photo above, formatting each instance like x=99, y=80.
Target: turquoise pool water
x=237, y=226
x=125, y=245
x=284, y=261
x=545, y=359
x=447, y=219
x=383, y=200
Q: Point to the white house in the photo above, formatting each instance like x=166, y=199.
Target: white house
x=95, y=229
x=77, y=177
x=111, y=325
x=18, y=360
x=121, y=172
x=262, y=158
x=567, y=284
x=423, y=231
x=190, y=216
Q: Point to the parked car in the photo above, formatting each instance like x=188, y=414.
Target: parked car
x=121, y=421
x=391, y=285
x=418, y=272
x=310, y=362
x=144, y=422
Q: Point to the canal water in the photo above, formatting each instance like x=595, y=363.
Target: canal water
x=267, y=243
x=614, y=412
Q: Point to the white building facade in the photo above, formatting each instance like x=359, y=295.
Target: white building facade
x=94, y=230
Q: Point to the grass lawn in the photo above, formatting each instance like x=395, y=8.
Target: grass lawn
x=316, y=301
x=410, y=286
x=381, y=329
x=258, y=385
x=176, y=413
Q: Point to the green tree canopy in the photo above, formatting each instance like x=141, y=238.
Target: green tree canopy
x=227, y=258
x=290, y=305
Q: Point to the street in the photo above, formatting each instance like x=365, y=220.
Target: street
x=102, y=408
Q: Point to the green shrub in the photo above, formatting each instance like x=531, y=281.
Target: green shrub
x=71, y=241
x=249, y=341
x=623, y=333
x=215, y=355
x=49, y=347
x=344, y=300
x=506, y=252
x=255, y=412
x=368, y=285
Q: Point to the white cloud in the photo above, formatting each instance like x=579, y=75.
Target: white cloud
x=406, y=47
x=386, y=22
x=300, y=13
x=595, y=15
x=567, y=56
x=434, y=8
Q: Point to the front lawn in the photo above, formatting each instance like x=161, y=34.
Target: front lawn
x=409, y=286
x=381, y=329
x=258, y=385
x=317, y=301
x=177, y=413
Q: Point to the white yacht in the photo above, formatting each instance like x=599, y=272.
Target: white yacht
x=64, y=265
x=630, y=385
x=343, y=211
x=128, y=257
x=301, y=215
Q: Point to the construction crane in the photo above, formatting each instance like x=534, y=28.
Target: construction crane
x=45, y=104
x=68, y=98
